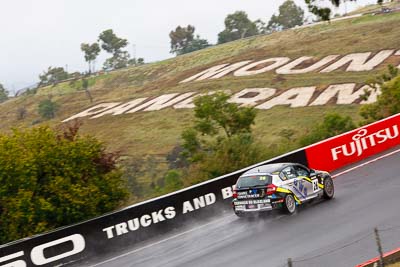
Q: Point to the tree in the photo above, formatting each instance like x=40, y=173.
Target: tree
x=183, y=40
x=333, y=124
x=47, y=109
x=289, y=16
x=85, y=86
x=323, y=13
x=220, y=140
x=214, y=113
x=196, y=44
x=3, y=93
x=388, y=101
x=51, y=178
x=237, y=26
x=53, y=76
x=91, y=52
x=136, y=61
x=112, y=44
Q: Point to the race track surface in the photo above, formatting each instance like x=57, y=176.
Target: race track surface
x=332, y=233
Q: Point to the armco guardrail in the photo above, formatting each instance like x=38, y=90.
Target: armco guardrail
x=389, y=257
x=114, y=232
x=355, y=145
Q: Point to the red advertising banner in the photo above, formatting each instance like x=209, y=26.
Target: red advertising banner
x=355, y=145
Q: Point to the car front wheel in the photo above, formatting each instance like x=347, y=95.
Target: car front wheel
x=329, y=188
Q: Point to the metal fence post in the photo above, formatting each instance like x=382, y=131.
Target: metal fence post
x=378, y=243
x=289, y=262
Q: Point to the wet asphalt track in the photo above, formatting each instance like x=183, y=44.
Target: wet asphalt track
x=329, y=233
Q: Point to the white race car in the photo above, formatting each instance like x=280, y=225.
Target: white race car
x=279, y=186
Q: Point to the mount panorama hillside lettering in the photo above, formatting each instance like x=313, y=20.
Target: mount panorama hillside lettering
x=260, y=98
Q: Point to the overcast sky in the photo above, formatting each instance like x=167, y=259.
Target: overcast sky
x=36, y=34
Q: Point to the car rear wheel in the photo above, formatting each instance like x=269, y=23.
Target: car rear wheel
x=289, y=204
x=329, y=188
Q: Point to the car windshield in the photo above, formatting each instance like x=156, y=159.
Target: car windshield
x=254, y=180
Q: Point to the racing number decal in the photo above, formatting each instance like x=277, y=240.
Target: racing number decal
x=315, y=185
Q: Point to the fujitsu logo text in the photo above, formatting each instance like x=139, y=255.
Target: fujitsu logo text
x=362, y=141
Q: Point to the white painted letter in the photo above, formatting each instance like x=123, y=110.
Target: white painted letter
x=216, y=72
x=296, y=97
x=255, y=94
x=93, y=110
x=289, y=68
x=275, y=63
x=359, y=61
x=121, y=108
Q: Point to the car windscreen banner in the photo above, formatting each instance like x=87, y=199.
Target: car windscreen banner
x=355, y=145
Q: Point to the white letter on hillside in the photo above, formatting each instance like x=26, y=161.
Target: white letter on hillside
x=121, y=108
x=161, y=102
x=397, y=54
x=296, y=97
x=289, y=68
x=344, y=93
x=275, y=63
x=93, y=110
x=250, y=96
x=188, y=103
x=359, y=61
x=216, y=72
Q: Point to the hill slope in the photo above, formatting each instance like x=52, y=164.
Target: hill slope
x=157, y=132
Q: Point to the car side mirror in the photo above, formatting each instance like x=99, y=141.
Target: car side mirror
x=313, y=173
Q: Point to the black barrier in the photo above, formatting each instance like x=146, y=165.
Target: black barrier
x=116, y=231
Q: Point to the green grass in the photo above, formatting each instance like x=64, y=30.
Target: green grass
x=156, y=133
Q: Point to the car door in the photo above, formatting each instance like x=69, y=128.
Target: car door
x=310, y=183
x=294, y=183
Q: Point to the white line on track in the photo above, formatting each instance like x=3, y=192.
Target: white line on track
x=162, y=241
x=366, y=163
x=212, y=222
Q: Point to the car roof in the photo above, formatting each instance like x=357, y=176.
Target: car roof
x=268, y=168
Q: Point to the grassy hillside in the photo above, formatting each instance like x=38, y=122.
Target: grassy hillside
x=156, y=133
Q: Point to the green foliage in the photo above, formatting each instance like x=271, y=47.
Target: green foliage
x=112, y=44
x=91, y=52
x=333, y=124
x=220, y=140
x=3, y=93
x=47, y=109
x=237, y=26
x=225, y=156
x=388, y=101
x=183, y=40
x=50, y=179
x=85, y=86
x=53, y=76
x=136, y=61
x=323, y=13
x=214, y=112
x=196, y=44
x=289, y=16
x=172, y=181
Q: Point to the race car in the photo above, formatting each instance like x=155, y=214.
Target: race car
x=279, y=186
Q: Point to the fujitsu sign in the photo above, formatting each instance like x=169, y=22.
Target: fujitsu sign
x=363, y=141
x=355, y=145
